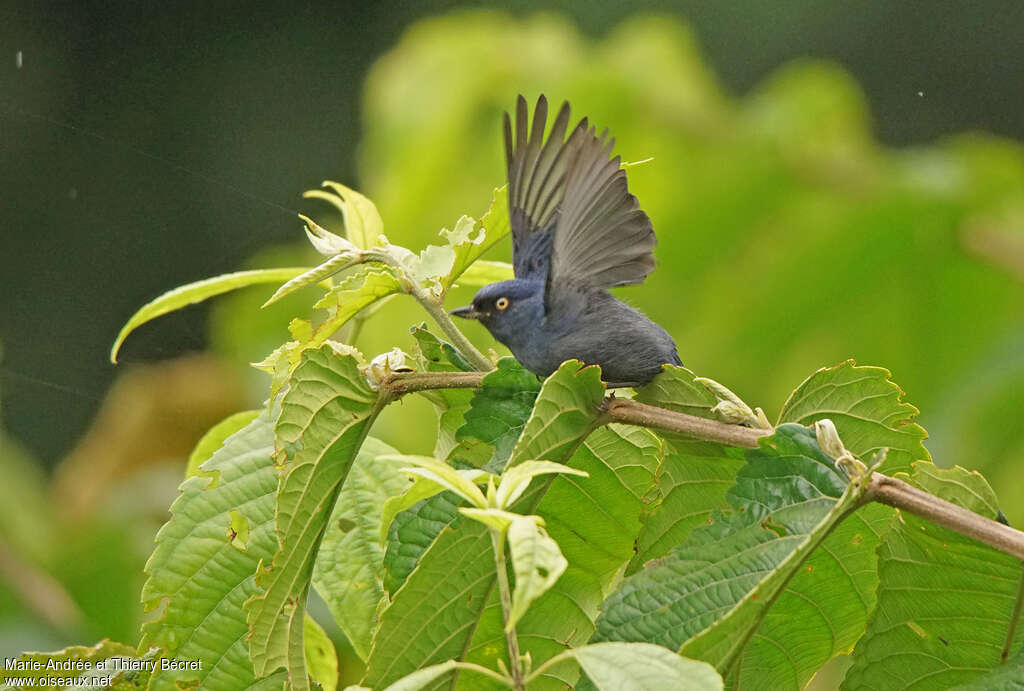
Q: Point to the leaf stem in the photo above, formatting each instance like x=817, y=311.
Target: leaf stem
x=480, y=669
x=883, y=489
x=433, y=307
x=515, y=661
x=1014, y=621
x=563, y=656
x=459, y=340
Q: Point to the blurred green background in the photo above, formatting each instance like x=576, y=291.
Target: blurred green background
x=829, y=181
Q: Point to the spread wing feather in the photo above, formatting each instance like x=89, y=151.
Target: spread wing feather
x=573, y=219
x=602, y=238
x=536, y=182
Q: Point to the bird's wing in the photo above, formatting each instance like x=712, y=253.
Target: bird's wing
x=537, y=173
x=602, y=238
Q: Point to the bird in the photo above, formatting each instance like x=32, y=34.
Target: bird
x=576, y=232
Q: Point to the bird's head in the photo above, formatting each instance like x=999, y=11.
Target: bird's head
x=510, y=310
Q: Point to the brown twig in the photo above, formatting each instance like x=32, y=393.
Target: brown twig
x=883, y=489
x=892, y=492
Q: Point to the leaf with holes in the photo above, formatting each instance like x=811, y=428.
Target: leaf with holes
x=437, y=614
x=325, y=415
x=200, y=578
x=945, y=602
x=694, y=475
x=866, y=407
x=349, y=568
x=708, y=597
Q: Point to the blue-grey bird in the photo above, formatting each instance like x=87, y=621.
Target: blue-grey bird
x=576, y=231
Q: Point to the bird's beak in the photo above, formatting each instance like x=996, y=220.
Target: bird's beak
x=466, y=312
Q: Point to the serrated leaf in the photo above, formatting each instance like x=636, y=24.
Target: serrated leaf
x=325, y=415
x=413, y=531
x=643, y=667
x=356, y=293
x=866, y=407
x=434, y=615
x=363, y=224
x=945, y=602
x=694, y=476
x=214, y=439
x=338, y=262
x=536, y=561
x=192, y=293
x=470, y=239
x=200, y=579
x=349, y=567
x=707, y=597
x=499, y=410
x=594, y=521
x=450, y=405
x=825, y=607
x=420, y=489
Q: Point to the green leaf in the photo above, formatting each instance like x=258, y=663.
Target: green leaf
x=450, y=405
x=825, y=607
x=349, y=566
x=363, y=224
x=944, y=601
x=643, y=667
x=483, y=272
x=354, y=294
x=537, y=563
x=412, y=532
x=499, y=410
x=594, y=520
x=486, y=424
x=421, y=488
x=468, y=245
x=321, y=657
x=192, y=293
x=214, y=439
x=338, y=262
x=325, y=415
x=446, y=476
x=70, y=663
x=497, y=519
x=200, y=579
x=422, y=677
x=1007, y=677
x=426, y=623
x=708, y=597
x=516, y=479
x=866, y=407
x=693, y=476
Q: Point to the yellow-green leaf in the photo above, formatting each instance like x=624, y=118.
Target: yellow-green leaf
x=192, y=293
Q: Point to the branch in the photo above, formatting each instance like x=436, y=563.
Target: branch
x=892, y=492
x=883, y=489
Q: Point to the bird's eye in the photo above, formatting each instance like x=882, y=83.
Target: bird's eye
x=501, y=303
